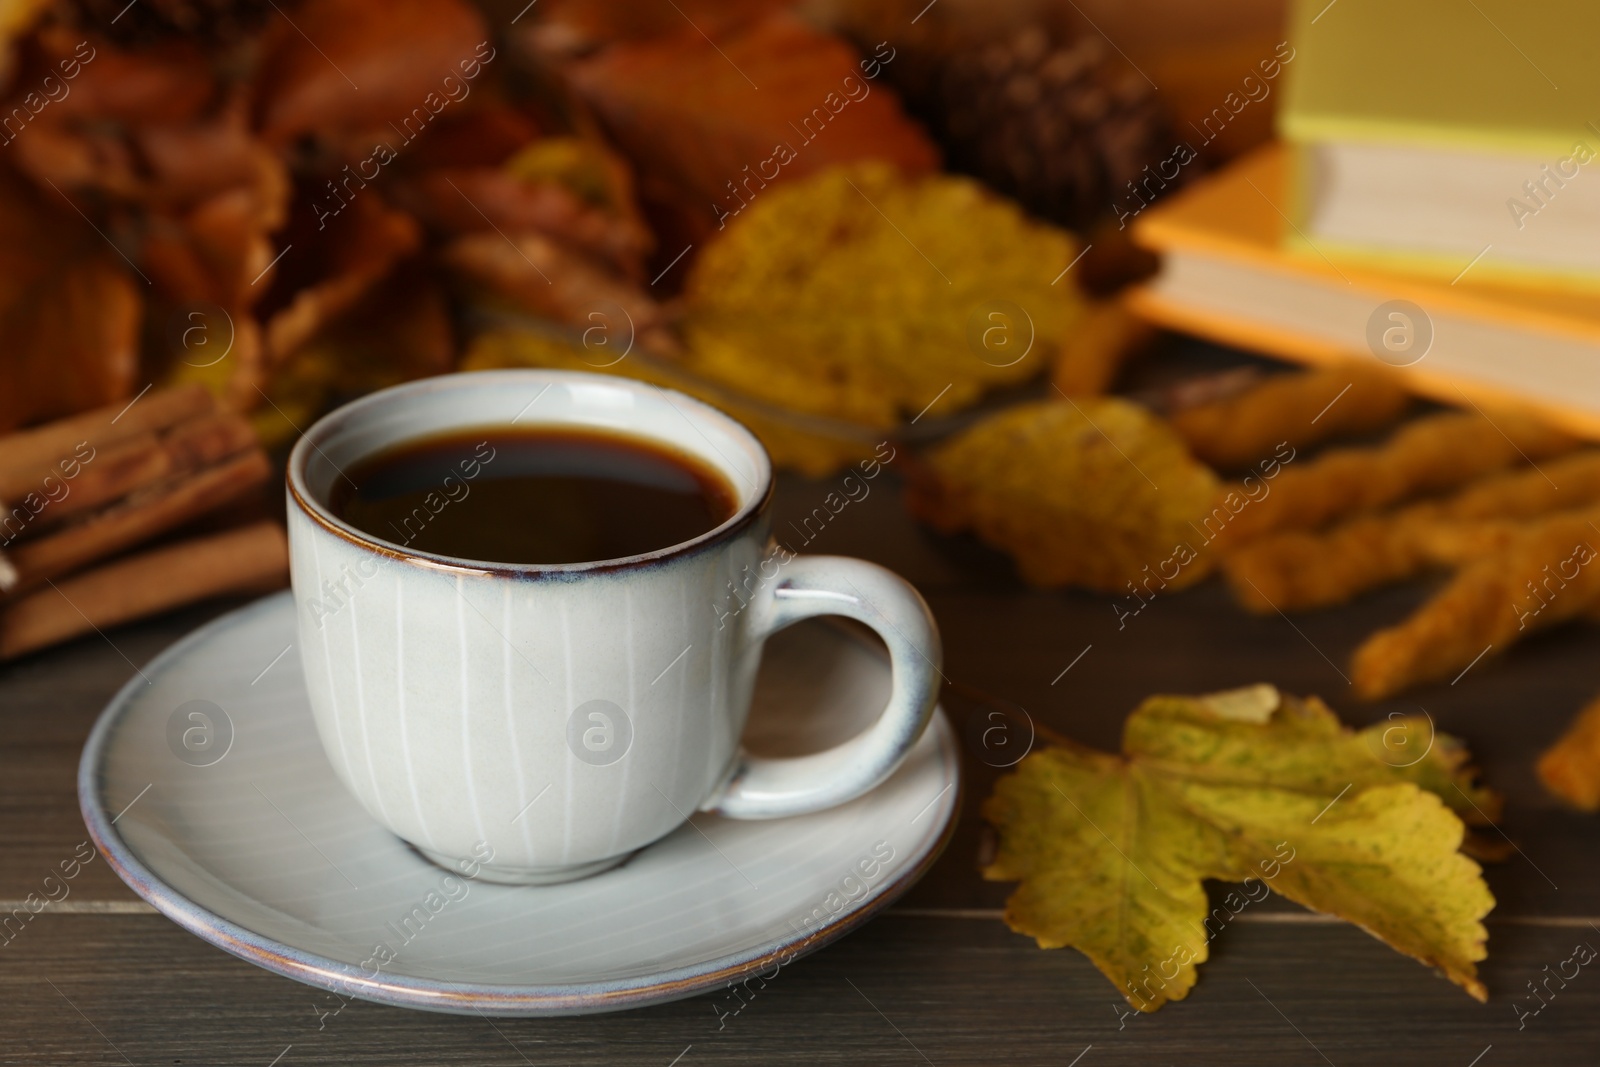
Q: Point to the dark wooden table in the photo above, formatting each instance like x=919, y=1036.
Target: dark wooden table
x=102, y=979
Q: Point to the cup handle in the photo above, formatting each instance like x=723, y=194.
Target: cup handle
x=838, y=585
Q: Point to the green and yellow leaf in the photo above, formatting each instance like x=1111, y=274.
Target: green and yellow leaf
x=1111, y=851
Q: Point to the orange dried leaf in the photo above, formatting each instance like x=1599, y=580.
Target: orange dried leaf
x=557, y=283
x=69, y=311
x=1570, y=768
x=330, y=268
x=487, y=200
x=690, y=115
x=351, y=67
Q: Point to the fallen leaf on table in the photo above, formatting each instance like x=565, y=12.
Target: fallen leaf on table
x=1570, y=768
x=1111, y=850
x=1430, y=454
x=1107, y=336
x=866, y=295
x=1301, y=409
x=1492, y=602
x=213, y=251
x=1298, y=570
x=1097, y=493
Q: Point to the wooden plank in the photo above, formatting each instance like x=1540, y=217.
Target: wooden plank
x=1014, y=643
x=961, y=990
x=1002, y=639
x=48, y=703
x=904, y=990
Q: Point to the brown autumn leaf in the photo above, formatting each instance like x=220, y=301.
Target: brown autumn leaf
x=544, y=277
x=1570, y=768
x=151, y=144
x=333, y=263
x=88, y=138
x=485, y=200
x=690, y=115
x=69, y=310
x=575, y=26
x=485, y=132
x=397, y=331
x=347, y=69
x=215, y=197
x=215, y=153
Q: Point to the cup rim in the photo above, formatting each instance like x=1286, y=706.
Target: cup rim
x=745, y=516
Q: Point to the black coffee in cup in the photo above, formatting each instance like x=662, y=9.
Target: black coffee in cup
x=539, y=495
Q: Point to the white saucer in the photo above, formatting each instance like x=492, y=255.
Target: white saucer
x=264, y=854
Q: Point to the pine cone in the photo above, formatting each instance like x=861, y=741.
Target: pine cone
x=1061, y=127
x=149, y=21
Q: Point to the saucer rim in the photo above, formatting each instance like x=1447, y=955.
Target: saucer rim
x=432, y=994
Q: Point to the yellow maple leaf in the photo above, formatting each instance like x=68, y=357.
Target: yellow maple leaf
x=866, y=294
x=1249, y=785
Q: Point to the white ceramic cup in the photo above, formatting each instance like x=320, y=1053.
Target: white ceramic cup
x=559, y=717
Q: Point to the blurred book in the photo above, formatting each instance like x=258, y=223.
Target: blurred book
x=1428, y=135
x=1228, y=275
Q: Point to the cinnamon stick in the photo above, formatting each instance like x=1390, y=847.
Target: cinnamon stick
x=26, y=455
x=124, y=468
x=248, y=559
x=140, y=516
